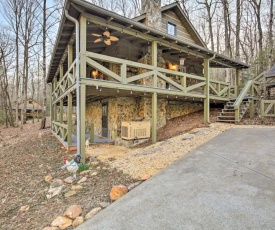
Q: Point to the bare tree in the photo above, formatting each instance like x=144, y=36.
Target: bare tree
x=6, y=60
x=12, y=12
x=270, y=34
x=210, y=7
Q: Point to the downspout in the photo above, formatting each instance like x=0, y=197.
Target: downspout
x=77, y=79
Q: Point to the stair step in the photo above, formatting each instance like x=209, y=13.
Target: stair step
x=225, y=120
x=226, y=117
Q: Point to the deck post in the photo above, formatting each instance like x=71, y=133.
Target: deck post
x=237, y=82
x=82, y=99
x=206, y=92
x=51, y=107
x=70, y=59
x=155, y=61
x=154, y=117
x=252, y=106
x=69, y=118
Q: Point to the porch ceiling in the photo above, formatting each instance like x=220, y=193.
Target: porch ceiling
x=65, y=36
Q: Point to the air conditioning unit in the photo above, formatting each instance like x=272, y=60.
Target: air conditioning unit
x=131, y=130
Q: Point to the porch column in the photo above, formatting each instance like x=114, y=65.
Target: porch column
x=51, y=106
x=82, y=99
x=154, y=117
x=69, y=118
x=206, y=91
x=237, y=82
x=70, y=59
x=155, y=61
x=154, y=95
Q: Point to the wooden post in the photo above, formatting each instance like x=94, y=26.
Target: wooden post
x=237, y=82
x=61, y=112
x=69, y=118
x=51, y=105
x=123, y=73
x=61, y=71
x=252, y=106
x=262, y=108
x=70, y=55
x=155, y=61
x=82, y=99
x=206, y=92
x=70, y=59
x=154, y=117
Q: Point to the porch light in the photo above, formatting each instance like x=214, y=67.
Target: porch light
x=94, y=73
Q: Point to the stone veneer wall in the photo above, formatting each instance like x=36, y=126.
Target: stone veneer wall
x=127, y=108
x=176, y=109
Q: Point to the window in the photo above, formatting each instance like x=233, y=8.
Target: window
x=171, y=29
x=30, y=102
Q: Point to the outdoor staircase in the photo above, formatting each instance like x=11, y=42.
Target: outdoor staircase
x=228, y=112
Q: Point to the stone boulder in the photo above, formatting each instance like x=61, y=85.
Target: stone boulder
x=62, y=222
x=118, y=191
x=78, y=221
x=73, y=211
x=90, y=214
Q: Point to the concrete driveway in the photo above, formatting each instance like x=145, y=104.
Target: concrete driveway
x=227, y=183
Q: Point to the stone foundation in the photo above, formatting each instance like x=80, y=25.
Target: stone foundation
x=128, y=108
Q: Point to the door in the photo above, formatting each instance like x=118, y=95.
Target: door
x=105, y=120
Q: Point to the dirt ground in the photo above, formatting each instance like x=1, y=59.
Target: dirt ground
x=28, y=155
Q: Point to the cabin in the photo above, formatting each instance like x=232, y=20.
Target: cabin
x=128, y=77
x=33, y=110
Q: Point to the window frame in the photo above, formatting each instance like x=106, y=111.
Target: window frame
x=172, y=24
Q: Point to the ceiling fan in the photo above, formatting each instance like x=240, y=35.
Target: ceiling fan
x=106, y=37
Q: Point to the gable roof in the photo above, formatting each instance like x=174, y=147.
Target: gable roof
x=77, y=7
x=175, y=7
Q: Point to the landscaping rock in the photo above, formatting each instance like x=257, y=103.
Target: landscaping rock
x=85, y=172
x=24, y=208
x=73, y=211
x=132, y=186
x=54, y=191
x=76, y=187
x=70, y=193
x=78, y=221
x=104, y=204
x=69, y=180
x=145, y=177
x=83, y=179
x=51, y=228
x=94, y=173
x=48, y=178
x=62, y=222
x=90, y=214
x=188, y=137
x=56, y=183
x=118, y=191
x=94, y=163
x=98, y=168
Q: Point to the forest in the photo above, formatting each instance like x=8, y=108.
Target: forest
x=241, y=29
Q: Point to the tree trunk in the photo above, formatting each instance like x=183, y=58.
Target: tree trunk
x=43, y=121
x=238, y=27
x=271, y=59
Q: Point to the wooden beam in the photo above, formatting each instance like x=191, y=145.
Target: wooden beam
x=237, y=82
x=154, y=117
x=82, y=99
x=206, y=92
x=155, y=61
